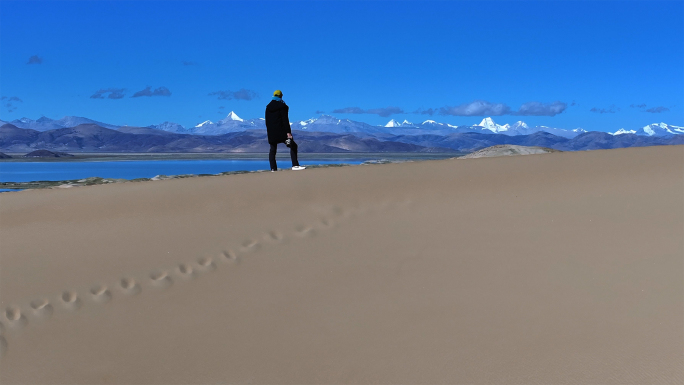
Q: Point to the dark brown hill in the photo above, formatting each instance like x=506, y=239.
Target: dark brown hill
x=13, y=138
x=46, y=154
x=143, y=131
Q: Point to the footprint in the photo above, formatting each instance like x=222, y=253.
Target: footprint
x=273, y=236
x=327, y=222
x=160, y=279
x=70, y=300
x=185, y=271
x=15, y=317
x=250, y=245
x=2, y=328
x=229, y=256
x=41, y=308
x=337, y=210
x=3, y=346
x=129, y=286
x=206, y=264
x=100, y=293
x=305, y=231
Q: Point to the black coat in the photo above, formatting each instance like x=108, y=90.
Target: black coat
x=277, y=121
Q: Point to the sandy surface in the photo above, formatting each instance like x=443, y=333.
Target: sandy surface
x=563, y=268
x=507, y=150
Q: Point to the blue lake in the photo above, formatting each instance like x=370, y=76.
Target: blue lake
x=35, y=171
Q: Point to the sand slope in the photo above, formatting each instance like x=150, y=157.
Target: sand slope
x=560, y=268
x=508, y=150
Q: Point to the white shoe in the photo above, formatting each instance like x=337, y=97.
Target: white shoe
x=297, y=168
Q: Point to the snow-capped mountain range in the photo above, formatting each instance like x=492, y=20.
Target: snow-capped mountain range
x=660, y=129
x=522, y=128
x=326, y=123
x=655, y=129
x=231, y=123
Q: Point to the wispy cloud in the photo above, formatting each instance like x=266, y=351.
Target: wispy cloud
x=610, y=110
x=320, y=112
x=573, y=104
x=189, y=63
x=476, y=108
x=384, y=112
x=642, y=105
x=657, y=110
x=429, y=111
x=148, y=91
x=241, y=94
x=485, y=108
x=35, y=59
x=387, y=111
x=9, y=102
x=114, y=93
x=349, y=110
x=541, y=109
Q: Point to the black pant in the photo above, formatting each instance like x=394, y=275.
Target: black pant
x=272, y=155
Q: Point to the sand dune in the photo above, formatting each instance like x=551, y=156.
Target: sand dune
x=561, y=268
x=507, y=150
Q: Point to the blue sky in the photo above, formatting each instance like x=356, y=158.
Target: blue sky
x=599, y=65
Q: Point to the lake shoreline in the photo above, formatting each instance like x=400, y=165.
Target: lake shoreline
x=95, y=180
x=100, y=167
x=283, y=154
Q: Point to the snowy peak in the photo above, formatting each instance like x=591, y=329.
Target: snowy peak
x=520, y=124
x=204, y=123
x=649, y=130
x=307, y=122
x=660, y=129
x=623, y=131
x=488, y=124
x=233, y=116
x=431, y=124
x=393, y=123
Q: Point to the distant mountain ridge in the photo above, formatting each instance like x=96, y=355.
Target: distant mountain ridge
x=231, y=123
x=660, y=129
x=44, y=124
x=94, y=138
x=326, y=123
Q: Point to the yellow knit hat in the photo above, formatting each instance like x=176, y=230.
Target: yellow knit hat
x=278, y=93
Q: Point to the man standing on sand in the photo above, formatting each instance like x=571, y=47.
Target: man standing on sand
x=279, y=131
